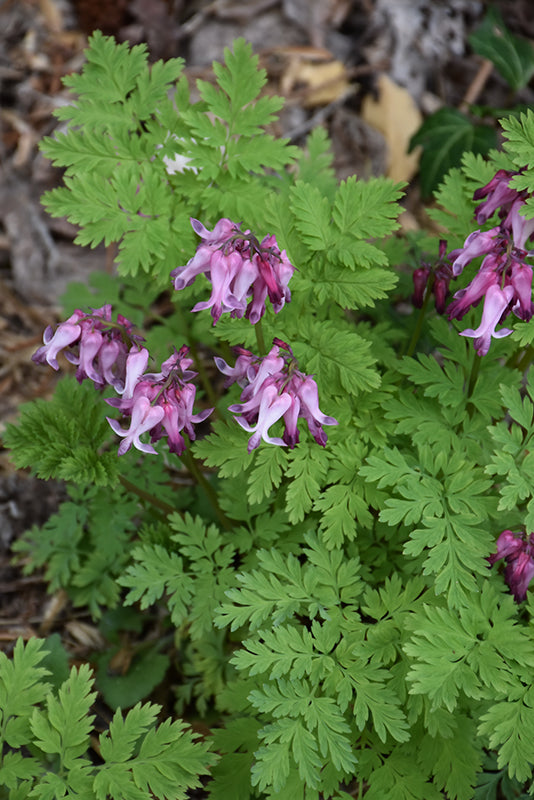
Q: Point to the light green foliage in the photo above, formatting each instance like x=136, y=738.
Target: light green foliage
x=194, y=582
x=347, y=267
x=117, y=188
x=436, y=491
x=282, y=587
x=483, y=654
x=329, y=613
x=140, y=759
x=83, y=547
x=513, y=460
x=61, y=437
x=307, y=667
x=519, y=139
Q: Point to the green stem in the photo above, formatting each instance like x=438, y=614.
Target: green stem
x=420, y=319
x=205, y=381
x=147, y=496
x=199, y=366
x=475, y=369
x=522, y=361
x=262, y=350
x=189, y=461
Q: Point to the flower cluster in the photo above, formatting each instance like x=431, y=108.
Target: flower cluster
x=97, y=346
x=517, y=550
x=159, y=403
x=273, y=388
x=243, y=271
x=433, y=279
x=109, y=354
x=504, y=279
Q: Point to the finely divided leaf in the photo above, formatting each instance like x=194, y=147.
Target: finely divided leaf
x=65, y=727
x=366, y=209
x=155, y=571
x=22, y=686
x=312, y=216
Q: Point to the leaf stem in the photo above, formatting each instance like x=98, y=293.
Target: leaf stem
x=147, y=496
x=523, y=360
x=203, y=375
x=191, y=464
x=475, y=369
x=420, y=319
x=262, y=350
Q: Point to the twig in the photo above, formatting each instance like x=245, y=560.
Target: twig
x=477, y=84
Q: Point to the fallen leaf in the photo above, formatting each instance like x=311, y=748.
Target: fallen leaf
x=397, y=117
x=313, y=75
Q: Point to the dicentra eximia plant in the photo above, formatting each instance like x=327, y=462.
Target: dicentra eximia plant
x=324, y=494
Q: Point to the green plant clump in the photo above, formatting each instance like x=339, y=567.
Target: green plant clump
x=307, y=493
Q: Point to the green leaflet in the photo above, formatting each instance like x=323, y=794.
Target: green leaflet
x=140, y=759
x=60, y=438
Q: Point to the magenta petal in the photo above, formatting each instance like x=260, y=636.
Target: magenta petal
x=477, y=244
x=66, y=334
x=518, y=574
x=508, y=545
x=272, y=407
x=136, y=364
x=495, y=305
x=144, y=417
x=521, y=280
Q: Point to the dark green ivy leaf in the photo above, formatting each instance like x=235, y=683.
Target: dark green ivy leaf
x=445, y=136
x=512, y=56
x=147, y=670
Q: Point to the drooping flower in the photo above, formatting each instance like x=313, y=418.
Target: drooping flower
x=517, y=549
x=478, y=243
x=66, y=334
x=433, y=278
x=99, y=347
x=504, y=279
x=158, y=403
x=243, y=271
x=498, y=194
x=144, y=417
x=274, y=389
x=495, y=307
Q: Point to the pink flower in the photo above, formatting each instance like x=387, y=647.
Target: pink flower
x=274, y=389
x=420, y=279
x=478, y=243
x=504, y=278
x=136, y=363
x=158, y=403
x=270, y=408
x=509, y=545
x=517, y=551
x=66, y=334
x=144, y=417
x=243, y=370
x=522, y=229
x=472, y=294
x=223, y=270
x=518, y=573
x=243, y=272
x=521, y=280
x=498, y=193
x=97, y=346
x=435, y=279
x=495, y=305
